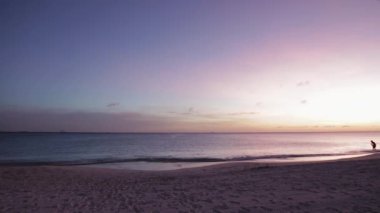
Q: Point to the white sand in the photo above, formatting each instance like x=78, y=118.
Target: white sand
x=340, y=186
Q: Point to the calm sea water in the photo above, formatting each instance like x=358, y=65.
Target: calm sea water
x=80, y=148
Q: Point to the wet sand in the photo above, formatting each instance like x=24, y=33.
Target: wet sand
x=350, y=185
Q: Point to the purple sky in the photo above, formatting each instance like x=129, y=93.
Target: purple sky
x=152, y=66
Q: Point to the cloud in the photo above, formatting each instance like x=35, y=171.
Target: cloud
x=70, y=121
x=55, y=120
x=209, y=115
x=113, y=104
x=189, y=111
x=303, y=101
x=47, y=120
x=303, y=83
x=241, y=113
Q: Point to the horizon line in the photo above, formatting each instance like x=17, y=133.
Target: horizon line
x=209, y=132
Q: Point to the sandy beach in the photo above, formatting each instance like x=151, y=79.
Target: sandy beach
x=336, y=186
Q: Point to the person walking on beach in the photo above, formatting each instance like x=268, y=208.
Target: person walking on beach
x=373, y=145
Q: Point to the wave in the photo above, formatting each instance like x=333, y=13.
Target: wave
x=158, y=160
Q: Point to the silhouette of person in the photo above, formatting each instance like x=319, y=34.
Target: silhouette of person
x=373, y=145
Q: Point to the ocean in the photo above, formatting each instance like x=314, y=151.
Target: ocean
x=165, y=150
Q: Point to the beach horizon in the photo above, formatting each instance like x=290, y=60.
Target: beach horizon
x=189, y=106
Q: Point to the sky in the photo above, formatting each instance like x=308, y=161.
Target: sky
x=189, y=66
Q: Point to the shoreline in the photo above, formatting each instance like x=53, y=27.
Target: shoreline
x=348, y=185
x=168, y=166
x=174, y=163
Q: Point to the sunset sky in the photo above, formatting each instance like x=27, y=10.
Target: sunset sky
x=189, y=66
